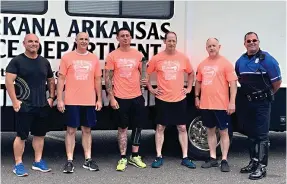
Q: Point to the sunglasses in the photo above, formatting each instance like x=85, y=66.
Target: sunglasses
x=249, y=41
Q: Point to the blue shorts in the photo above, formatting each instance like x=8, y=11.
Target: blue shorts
x=76, y=116
x=215, y=118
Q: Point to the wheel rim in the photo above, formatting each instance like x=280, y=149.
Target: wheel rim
x=197, y=135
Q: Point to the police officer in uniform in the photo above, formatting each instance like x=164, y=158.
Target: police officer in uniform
x=260, y=77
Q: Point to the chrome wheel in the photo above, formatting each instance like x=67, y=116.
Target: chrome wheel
x=197, y=134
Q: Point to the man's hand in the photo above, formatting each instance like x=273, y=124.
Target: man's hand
x=197, y=102
x=156, y=91
x=114, y=104
x=231, y=108
x=185, y=91
x=50, y=102
x=17, y=105
x=61, y=106
x=144, y=82
x=99, y=105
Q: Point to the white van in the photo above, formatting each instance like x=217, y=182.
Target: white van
x=56, y=23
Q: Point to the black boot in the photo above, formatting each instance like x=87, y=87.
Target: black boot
x=251, y=167
x=253, y=153
x=263, y=161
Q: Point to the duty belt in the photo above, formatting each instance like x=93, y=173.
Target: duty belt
x=258, y=96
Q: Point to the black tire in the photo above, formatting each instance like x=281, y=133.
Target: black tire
x=197, y=140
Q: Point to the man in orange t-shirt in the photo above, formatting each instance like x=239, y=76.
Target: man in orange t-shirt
x=123, y=66
x=81, y=71
x=170, y=66
x=214, y=75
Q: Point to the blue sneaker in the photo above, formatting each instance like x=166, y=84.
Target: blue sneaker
x=40, y=166
x=20, y=170
x=188, y=163
x=157, y=163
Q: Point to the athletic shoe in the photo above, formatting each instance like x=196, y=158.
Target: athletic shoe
x=69, y=167
x=211, y=162
x=91, y=165
x=157, y=163
x=137, y=161
x=224, y=166
x=188, y=163
x=20, y=170
x=41, y=166
x=122, y=164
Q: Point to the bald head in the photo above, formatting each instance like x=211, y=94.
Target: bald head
x=30, y=36
x=31, y=43
x=212, y=47
x=212, y=41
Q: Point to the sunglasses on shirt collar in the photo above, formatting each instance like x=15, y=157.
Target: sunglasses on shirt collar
x=254, y=41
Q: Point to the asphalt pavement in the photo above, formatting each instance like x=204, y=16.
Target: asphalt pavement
x=105, y=152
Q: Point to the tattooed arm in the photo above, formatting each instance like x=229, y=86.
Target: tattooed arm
x=108, y=82
x=109, y=74
x=51, y=86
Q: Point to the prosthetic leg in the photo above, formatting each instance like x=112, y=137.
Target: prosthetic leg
x=253, y=153
x=260, y=171
x=136, y=136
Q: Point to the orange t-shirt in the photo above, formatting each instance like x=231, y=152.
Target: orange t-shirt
x=126, y=67
x=80, y=71
x=215, y=76
x=170, y=71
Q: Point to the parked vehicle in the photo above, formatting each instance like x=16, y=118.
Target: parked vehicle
x=57, y=23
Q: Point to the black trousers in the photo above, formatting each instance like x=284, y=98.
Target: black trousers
x=254, y=116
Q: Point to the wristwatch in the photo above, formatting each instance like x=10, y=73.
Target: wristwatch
x=53, y=98
x=196, y=96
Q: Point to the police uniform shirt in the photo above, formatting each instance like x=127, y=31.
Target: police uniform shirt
x=257, y=72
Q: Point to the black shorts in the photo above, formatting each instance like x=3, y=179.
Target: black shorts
x=171, y=113
x=132, y=112
x=215, y=118
x=34, y=119
x=76, y=116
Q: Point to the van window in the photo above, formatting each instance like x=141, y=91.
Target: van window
x=24, y=7
x=121, y=9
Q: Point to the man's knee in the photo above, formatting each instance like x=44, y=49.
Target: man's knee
x=160, y=128
x=71, y=131
x=181, y=128
x=122, y=130
x=211, y=131
x=86, y=130
x=18, y=138
x=40, y=138
x=136, y=136
x=224, y=133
